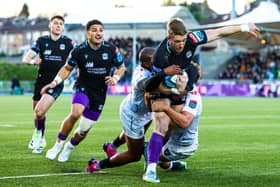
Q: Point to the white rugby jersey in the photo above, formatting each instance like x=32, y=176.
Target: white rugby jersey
x=188, y=136
x=136, y=97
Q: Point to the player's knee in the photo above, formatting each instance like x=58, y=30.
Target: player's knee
x=135, y=154
x=161, y=129
x=39, y=112
x=159, y=115
x=134, y=157
x=84, y=126
x=137, y=157
x=75, y=115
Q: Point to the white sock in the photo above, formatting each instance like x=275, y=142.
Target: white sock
x=152, y=167
x=170, y=165
x=59, y=144
x=69, y=145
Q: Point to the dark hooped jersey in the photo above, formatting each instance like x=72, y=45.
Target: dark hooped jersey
x=53, y=54
x=95, y=64
x=165, y=57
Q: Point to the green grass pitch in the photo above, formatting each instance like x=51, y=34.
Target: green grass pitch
x=239, y=146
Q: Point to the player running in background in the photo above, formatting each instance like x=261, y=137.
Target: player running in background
x=52, y=50
x=94, y=58
x=178, y=48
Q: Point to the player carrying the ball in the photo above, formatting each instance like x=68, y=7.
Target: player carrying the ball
x=177, y=50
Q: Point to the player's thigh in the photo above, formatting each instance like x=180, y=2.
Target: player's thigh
x=45, y=103
x=135, y=146
x=133, y=125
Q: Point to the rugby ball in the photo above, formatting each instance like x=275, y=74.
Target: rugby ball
x=170, y=81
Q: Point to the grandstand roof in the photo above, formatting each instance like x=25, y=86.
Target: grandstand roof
x=125, y=17
x=266, y=16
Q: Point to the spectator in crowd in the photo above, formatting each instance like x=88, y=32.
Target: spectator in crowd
x=15, y=86
x=253, y=66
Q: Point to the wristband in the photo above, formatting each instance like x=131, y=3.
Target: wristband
x=32, y=61
x=244, y=28
x=175, y=91
x=116, y=77
x=54, y=83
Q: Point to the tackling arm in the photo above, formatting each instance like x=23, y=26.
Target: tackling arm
x=182, y=119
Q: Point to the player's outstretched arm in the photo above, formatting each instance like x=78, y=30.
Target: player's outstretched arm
x=214, y=34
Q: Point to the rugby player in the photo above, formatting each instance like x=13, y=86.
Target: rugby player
x=94, y=58
x=52, y=51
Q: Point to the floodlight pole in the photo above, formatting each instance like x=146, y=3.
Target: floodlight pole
x=233, y=11
x=134, y=50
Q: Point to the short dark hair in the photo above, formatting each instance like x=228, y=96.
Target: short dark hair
x=93, y=22
x=146, y=54
x=176, y=26
x=57, y=17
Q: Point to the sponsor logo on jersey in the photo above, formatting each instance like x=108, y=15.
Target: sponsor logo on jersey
x=167, y=152
x=105, y=56
x=47, y=52
x=62, y=46
x=192, y=103
x=89, y=65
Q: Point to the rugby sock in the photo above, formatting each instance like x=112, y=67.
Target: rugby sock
x=36, y=124
x=61, y=136
x=74, y=142
x=105, y=163
x=154, y=147
x=41, y=125
x=117, y=142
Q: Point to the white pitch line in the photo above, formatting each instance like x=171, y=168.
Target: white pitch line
x=48, y=175
x=6, y=125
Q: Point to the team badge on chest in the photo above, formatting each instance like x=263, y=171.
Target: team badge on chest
x=62, y=46
x=105, y=56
